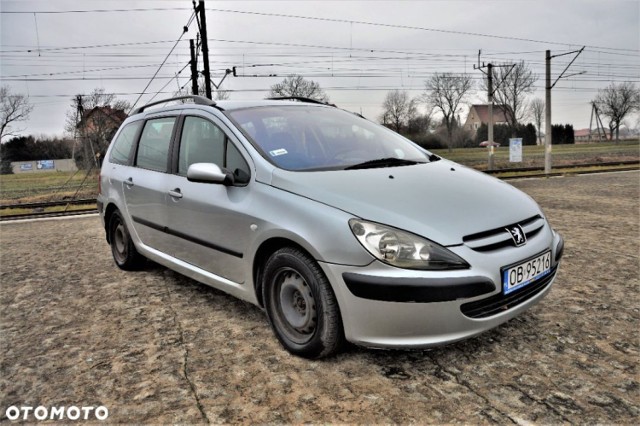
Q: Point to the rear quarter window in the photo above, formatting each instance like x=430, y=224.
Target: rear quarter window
x=123, y=144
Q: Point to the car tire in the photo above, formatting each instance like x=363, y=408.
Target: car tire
x=301, y=306
x=122, y=248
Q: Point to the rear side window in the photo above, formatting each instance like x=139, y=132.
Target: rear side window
x=153, y=149
x=122, y=145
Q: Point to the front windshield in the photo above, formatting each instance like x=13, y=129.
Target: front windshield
x=320, y=138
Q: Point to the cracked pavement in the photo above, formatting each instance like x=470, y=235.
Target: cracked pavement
x=155, y=347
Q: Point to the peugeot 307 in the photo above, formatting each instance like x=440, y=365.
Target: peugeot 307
x=339, y=228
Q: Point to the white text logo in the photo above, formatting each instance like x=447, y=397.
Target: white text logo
x=57, y=413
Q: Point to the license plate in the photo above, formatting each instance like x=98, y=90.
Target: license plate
x=517, y=276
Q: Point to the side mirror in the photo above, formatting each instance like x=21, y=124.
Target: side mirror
x=209, y=173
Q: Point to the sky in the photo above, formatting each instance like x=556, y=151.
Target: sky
x=356, y=50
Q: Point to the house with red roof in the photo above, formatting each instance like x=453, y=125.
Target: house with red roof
x=479, y=114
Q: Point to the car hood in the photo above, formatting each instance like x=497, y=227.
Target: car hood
x=442, y=201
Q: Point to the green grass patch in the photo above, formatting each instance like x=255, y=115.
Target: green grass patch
x=57, y=186
x=533, y=156
x=568, y=171
x=41, y=186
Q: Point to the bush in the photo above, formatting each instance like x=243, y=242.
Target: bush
x=5, y=167
x=503, y=132
x=562, y=134
x=28, y=148
x=428, y=141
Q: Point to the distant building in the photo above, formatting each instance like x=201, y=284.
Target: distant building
x=584, y=135
x=96, y=128
x=102, y=117
x=479, y=114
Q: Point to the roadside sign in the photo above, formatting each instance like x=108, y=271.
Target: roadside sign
x=515, y=150
x=45, y=165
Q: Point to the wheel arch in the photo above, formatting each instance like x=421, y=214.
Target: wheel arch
x=108, y=211
x=266, y=249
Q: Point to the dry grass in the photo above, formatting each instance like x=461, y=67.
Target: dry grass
x=533, y=156
x=47, y=186
x=57, y=186
x=12, y=212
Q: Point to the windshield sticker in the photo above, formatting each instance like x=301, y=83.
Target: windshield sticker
x=277, y=152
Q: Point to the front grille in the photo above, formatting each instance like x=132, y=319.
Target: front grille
x=497, y=238
x=499, y=303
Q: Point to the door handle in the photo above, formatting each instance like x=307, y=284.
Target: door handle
x=129, y=182
x=175, y=193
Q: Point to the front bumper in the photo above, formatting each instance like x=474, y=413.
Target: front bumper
x=388, y=307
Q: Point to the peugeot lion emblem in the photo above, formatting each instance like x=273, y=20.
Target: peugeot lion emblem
x=517, y=235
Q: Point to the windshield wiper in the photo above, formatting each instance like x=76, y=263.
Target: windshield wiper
x=383, y=162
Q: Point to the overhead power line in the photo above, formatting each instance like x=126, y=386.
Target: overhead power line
x=184, y=31
x=168, y=82
x=124, y=67
x=93, y=46
x=60, y=12
x=336, y=20
x=411, y=27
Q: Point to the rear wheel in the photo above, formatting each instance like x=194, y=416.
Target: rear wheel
x=301, y=306
x=122, y=248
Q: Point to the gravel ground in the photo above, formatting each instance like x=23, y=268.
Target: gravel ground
x=155, y=347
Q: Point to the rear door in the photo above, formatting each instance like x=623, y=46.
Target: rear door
x=145, y=186
x=210, y=223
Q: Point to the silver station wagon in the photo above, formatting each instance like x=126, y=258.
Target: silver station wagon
x=339, y=228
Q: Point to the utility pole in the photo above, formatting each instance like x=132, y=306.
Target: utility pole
x=547, y=109
x=194, y=68
x=547, y=113
x=491, y=91
x=205, y=48
x=599, y=125
x=79, y=114
x=490, y=132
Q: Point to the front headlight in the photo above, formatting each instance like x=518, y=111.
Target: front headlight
x=402, y=249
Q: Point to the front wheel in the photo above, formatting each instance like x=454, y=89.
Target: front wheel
x=300, y=305
x=124, y=251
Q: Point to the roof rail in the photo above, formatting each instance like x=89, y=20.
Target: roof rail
x=300, y=99
x=199, y=100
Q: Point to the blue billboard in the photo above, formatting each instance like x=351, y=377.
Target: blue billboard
x=45, y=165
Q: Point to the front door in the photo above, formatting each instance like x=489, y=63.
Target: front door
x=210, y=223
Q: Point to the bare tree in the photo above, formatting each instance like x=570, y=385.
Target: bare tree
x=93, y=119
x=218, y=94
x=513, y=86
x=222, y=95
x=13, y=109
x=616, y=102
x=296, y=85
x=537, y=112
x=445, y=92
x=421, y=124
x=398, y=110
x=84, y=103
